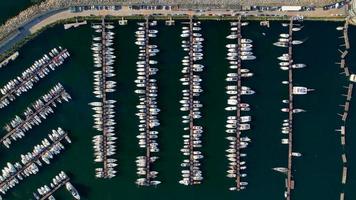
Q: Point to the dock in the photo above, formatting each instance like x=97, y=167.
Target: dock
x=344, y=54
x=265, y=23
x=19, y=172
x=343, y=141
x=10, y=58
x=344, y=175
x=53, y=190
x=342, y=63
x=170, y=22
x=191, y=99
x=192, y=174
x=347, y=103
x=122, y=21
x=147, y=108
x=349, y=92
x=104, y=144
x=343, y=157
x=345, y=34
x=33, y=77
x=104, y=98
x=60, y=93
x=75, y=24
x=346, y=71
x=238, y=110
x=239, y=50
x=346, y=106
x=62, y=179
x=147, y=100
x=289, y=180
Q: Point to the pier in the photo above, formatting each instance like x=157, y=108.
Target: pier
x=238, y=110
x=349, y=92
x=147, y=100
x=342, y=63
x=344, y=175
x=346, y=71
x=8, y=59
x=344, y=54
x=53, y=190
x=346, y=105
x=46, y=192
x=289, y=180
x=191, y=99
x=104, y=146
x=75, y=24
x=33, y=160
x=239, y=50
x=122, y=21
x=28, y=79
x=345, y=34
x=147, y=108
x=192, y=45
x=170, y=22
x=104, y=98
x=60, y=93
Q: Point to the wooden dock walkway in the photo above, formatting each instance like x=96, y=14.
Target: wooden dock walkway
x=342, y=63
x=345, y=34
x=53, y=190
x=33, y=75
x=344, y=54
x=170, y=21
x=74, y=25
x=33, y=160
x=346, y=105
x=349, y=92
x=8, y=59
x=147, y=99
x=290, y=181
x=104, y=98
x=191, y=101
x=238, y=110
x=122, y=21
x=30, y=117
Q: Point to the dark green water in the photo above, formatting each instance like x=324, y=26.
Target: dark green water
x=11, y=8
x=317, y=173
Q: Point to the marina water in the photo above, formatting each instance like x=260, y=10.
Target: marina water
x=317, y=173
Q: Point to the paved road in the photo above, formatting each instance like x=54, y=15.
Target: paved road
x=25, y=31
x=43, y=20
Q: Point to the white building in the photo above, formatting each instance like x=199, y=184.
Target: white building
x=291, y=8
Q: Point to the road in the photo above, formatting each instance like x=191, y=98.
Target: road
x=24, y=31
x=43, y=20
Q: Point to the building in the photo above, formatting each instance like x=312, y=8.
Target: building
x=291, y=8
